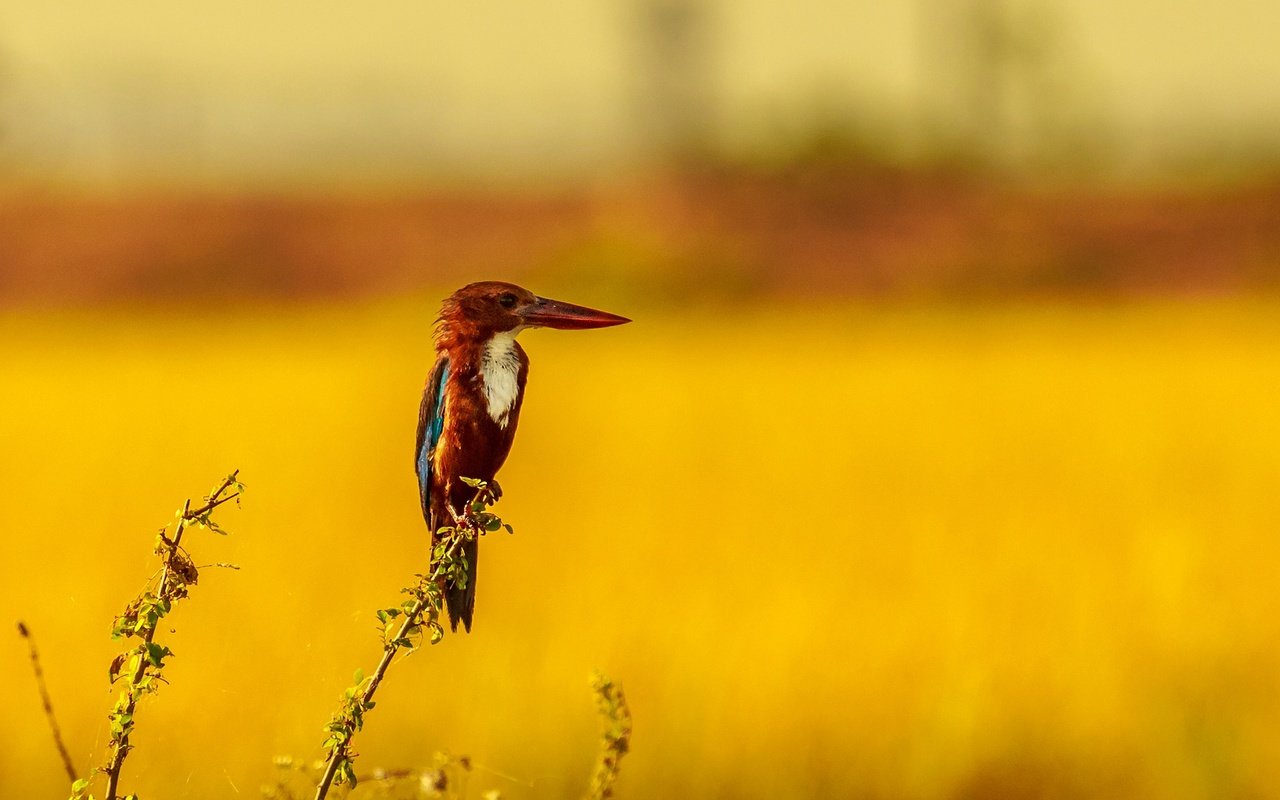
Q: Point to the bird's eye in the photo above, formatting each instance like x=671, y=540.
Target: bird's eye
x=507, y=300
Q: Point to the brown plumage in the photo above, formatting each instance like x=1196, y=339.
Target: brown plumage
x=472, y=399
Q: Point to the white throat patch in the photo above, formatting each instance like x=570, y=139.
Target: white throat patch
x=499, y=368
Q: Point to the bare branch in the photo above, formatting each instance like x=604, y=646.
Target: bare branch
x=70, y=768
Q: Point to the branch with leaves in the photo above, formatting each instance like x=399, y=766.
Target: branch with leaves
x=448, y=774
x=404, y=627
x=139, y=669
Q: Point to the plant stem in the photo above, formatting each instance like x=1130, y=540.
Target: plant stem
x=48, y=703
x=122, y=746
x=616, y=738
x=412, y=618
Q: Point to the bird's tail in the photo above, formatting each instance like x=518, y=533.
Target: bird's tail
x=461, y=600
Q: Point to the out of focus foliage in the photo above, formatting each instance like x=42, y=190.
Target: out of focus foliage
x=830, y=549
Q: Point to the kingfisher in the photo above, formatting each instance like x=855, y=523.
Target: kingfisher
x=471, y=403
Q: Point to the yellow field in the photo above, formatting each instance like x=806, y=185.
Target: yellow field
x=900, y=553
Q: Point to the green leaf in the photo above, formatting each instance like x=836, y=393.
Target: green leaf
x=156, y=653
x=345, y=774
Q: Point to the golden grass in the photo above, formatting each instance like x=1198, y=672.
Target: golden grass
x=1027, y=552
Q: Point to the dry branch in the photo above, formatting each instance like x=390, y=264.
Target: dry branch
x=45, y=701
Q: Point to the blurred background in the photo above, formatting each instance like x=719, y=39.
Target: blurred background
x=939, y=462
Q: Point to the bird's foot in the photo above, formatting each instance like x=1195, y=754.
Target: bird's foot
x=495, y=490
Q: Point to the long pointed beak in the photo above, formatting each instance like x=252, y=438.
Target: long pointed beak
x=567, y=316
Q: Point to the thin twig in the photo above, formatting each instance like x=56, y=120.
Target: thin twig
x=47, y=703
x=214, y=502
x=389, y=775
x=411, y=619
x=207, y=507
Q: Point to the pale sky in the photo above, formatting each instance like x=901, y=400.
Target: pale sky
x=246, y=91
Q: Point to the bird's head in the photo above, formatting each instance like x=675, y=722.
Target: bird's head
x=477, y=311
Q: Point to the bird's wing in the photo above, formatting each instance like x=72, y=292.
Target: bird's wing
x=430, y=428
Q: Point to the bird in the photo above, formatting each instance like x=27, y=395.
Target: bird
x=471, y=404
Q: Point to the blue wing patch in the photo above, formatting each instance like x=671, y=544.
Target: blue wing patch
x=430, y=429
